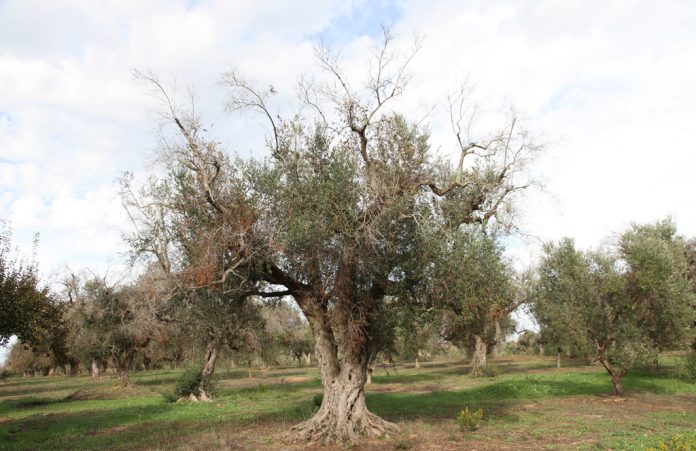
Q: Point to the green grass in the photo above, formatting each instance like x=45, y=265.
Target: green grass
x=528, y=402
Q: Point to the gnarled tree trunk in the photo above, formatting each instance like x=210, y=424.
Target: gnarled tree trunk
x=123, y=363
x=211, y=356
x=478, y=362
x=343, y=415
x=74, y=366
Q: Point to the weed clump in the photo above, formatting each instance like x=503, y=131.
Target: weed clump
x=469, y=420
x=189, y=383
x=677, y=443
x=688, y=370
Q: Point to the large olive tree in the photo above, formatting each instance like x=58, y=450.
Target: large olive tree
x=337, y=217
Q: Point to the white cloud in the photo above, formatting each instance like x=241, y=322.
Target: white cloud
x=609, y=84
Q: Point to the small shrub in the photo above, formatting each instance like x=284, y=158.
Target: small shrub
x=469, y=420
x=169, y=396
x=677, y=443
x=188, y=383
x=689, y=368
x=402, y=444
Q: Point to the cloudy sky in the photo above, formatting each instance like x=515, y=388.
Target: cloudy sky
x=609, y=85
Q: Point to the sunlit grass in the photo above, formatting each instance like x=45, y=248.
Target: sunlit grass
x=526, y=400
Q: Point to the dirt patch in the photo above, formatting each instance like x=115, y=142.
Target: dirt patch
x=560, y=423
x=294, y=379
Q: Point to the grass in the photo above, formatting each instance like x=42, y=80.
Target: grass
x=529, y=404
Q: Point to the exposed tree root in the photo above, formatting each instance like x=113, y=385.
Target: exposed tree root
x=325, y=428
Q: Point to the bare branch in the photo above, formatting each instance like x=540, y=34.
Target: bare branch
x=246, y=96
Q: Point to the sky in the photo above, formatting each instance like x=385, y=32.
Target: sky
x=609, y=86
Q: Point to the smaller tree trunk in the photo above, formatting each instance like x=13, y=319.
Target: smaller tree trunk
x=558, y=358
x=95, y=369
x=74, y=368
x=498, y=339
x=51, y=371
x=616, y=376
x=369, y=374
x=541, y=348
x=123, y=363
x=618, y=388
x=123, y=376
x=211, y=357
x=418, y=360
x=478, y=362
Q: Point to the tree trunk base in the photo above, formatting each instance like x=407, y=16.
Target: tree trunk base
x=478, y=362
x=324, y=428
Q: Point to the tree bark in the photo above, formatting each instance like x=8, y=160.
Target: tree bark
x=478, y=362
x=541, y=348
x=74, y=368
x=211, y=356
x=498, y=339
x=123, y=364
x=418, y=360
x=616, y=376
x=618, y=388
x=343, y=416
x=558, y=359
x=370, y=369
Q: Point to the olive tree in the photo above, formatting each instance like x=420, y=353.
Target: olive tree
x=27, y=309
x=630, y=301
x=657, y=280
x=337, y=215
x=478, y=290
x=562, y=275
x=205, y=285
x=120, y=317
x=287, y=331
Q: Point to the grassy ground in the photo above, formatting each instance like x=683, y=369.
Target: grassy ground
x=527, y=404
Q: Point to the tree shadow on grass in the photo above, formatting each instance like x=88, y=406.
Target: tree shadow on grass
x=72, y=386
x=407, y=378
x=498, y=396
x=72, y=430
